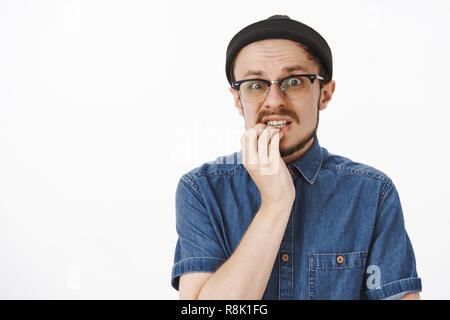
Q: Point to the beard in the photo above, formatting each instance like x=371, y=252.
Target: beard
x=304, y=141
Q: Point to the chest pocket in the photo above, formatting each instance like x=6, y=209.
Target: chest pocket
x=336, y=275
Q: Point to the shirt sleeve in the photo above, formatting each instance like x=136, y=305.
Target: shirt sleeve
x=398, y=296
x=391, y=265
x=197, y=248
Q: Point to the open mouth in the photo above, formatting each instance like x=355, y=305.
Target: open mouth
x=278, y=124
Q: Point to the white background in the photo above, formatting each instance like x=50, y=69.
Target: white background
x=93, y=140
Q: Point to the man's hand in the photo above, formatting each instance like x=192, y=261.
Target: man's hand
x=245, y=274
x=261, y=158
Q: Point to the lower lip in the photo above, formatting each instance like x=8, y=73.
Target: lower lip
x=286, y=128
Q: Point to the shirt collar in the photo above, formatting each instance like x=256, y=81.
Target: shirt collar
x=310, y=162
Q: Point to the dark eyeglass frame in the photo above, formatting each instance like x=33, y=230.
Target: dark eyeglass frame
x=237, y=84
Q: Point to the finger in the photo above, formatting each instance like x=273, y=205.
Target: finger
x=274, y=147
x=263, y=153
x=260, y=128
x=260, y=125
x=249, y=147
x=274, y=162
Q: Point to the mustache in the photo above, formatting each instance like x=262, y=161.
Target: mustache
x=287, y=113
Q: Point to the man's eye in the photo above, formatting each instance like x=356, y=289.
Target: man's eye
x=256, y=86
x=294, y=82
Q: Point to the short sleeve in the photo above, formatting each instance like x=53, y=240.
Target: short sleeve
x=391, y=265
x=197, y=248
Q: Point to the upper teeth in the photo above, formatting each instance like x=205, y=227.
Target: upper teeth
x=276, y=123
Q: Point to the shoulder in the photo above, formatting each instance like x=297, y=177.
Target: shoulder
x=346, y=166
x=227, y=165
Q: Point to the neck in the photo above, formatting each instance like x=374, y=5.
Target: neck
x=298, y=154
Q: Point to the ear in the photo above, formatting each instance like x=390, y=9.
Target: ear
x=237, y=100
x=327, y=94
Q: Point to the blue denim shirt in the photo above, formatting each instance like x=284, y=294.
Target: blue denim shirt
x=345, y=238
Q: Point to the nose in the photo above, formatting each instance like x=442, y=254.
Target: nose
x=275, y=96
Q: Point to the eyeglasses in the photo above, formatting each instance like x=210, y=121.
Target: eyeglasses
x=294, y=87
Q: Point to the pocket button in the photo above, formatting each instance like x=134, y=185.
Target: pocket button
x=339, y=259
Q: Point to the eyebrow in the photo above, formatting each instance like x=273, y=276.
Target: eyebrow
x=285, y=69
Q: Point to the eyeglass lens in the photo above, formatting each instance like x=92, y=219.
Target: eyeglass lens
x=293, y=88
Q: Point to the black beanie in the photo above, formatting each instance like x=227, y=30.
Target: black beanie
x=280, y=27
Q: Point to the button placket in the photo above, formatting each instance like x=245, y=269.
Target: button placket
x=286, y=272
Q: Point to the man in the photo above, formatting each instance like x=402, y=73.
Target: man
x=292, y=221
